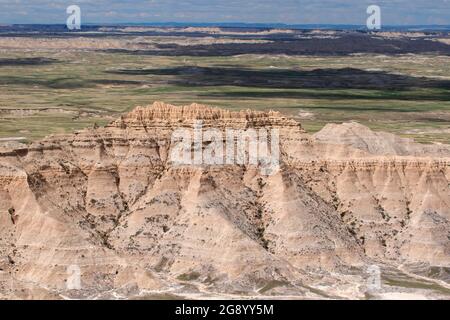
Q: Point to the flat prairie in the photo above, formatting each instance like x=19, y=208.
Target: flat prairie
x=54, y=82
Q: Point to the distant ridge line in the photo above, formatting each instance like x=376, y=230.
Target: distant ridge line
x=241, y=25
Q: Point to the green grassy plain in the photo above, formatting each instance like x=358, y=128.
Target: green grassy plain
x=83, y=88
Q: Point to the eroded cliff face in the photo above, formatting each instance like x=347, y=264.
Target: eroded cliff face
x=109, y=203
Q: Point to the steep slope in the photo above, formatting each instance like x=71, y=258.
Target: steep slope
x=110, y=202
x=377, y=143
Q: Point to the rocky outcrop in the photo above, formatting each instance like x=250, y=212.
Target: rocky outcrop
x=108, y=203
x=381, y=143
x=169, y=116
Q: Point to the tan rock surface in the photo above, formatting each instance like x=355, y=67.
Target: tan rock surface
x=379, y=143
x=109, y=201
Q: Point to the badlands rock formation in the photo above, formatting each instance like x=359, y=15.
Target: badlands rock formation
x=378, y=143
x=106, y=206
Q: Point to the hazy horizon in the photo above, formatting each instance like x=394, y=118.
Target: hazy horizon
x=220, y=23
x=290, y=12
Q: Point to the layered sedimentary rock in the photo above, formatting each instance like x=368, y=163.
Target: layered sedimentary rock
x=381, y=143
x=108, y=207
